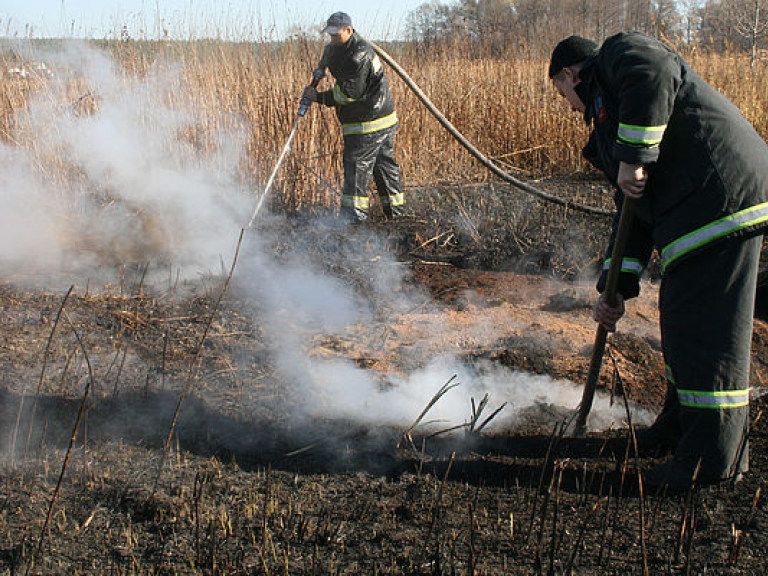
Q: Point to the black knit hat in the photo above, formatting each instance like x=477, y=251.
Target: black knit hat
x=572, y=50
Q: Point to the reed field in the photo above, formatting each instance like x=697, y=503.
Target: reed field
x=504, y=105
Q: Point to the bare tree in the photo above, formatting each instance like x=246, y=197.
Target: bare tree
x=739, y=24
x=432, y=21
x=666, y=19
x=690, y=14
x=752, y=24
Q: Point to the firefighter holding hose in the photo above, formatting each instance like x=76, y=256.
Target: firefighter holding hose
x=368, y=119
x=697, y=174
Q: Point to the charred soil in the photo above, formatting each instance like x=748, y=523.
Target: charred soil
x=145, y=431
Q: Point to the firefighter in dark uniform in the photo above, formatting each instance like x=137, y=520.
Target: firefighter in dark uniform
x=699, y=174
x=368, y=119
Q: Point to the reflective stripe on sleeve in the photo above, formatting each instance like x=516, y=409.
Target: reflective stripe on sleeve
x=719, y=400
x=717, y=229
x=647, y=136
x=629, y=265
x=340, y=98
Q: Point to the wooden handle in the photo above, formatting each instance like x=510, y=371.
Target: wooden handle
x=611, y=283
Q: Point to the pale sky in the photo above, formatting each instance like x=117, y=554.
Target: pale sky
x=184, y=19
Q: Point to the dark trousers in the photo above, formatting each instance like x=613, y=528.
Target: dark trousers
x=367, y=155
x=706, y=307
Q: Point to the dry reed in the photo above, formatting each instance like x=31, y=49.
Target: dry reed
x=504, y=105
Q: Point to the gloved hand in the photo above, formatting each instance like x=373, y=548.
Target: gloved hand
x=310, y=94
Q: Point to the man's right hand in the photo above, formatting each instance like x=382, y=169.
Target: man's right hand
x=607, y=316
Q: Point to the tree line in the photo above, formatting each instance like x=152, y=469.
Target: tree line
x=535, y=26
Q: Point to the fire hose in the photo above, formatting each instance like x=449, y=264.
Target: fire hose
x=319, y=73
x=474, y=151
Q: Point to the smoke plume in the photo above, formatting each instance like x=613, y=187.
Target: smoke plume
x=110, y=173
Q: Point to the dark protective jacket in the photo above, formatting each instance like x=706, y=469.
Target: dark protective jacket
x=361, y=93
x=707, y=167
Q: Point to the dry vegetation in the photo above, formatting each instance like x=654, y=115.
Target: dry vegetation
x=242, y=489
x=504, y=105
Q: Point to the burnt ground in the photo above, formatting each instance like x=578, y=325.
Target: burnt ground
x=147, y=431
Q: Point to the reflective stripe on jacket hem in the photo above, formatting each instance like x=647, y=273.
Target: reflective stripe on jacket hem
x=713, y=400
x=743, y=219
x=370, y=126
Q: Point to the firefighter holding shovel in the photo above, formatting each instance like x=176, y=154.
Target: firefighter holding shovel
x=368, y=119
x=696, y=173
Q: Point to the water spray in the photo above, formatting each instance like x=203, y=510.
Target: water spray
x=304, y=105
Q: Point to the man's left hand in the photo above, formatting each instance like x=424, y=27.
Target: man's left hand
x=606, y=315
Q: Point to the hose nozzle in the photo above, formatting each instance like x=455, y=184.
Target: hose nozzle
x=317, y=75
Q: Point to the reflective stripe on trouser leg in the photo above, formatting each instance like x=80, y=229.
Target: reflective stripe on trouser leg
x=707, y=305
x=360, y=155
x=386, y=174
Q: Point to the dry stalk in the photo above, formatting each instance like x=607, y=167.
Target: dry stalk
x=193, y=366
x=617, y=508
x=557, y=433
x=568, y=569
x=471, y=427
x=119, y=372
x=265, y=508
x=164, y=358
x=197, y=494
x=491, y=417
x=473, y=232
x=444, y=389
x=553, y=544
x=431, y=240
x=472, y=559
x=435, y=510
x=39, y=382
x=80, y=412
x=604, y=526
x=687, y=521
x=743, y=445
x=108, y=371
x=619, y=381
x=542, y=525
x=739, y=535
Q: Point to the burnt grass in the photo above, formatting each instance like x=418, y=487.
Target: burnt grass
x=143, y=432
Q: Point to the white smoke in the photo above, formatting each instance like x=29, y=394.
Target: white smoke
x=338, y=389
x=131, y=188
x=107, y=175
x=302, y=302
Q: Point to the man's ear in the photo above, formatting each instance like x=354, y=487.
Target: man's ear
x=572, y=73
